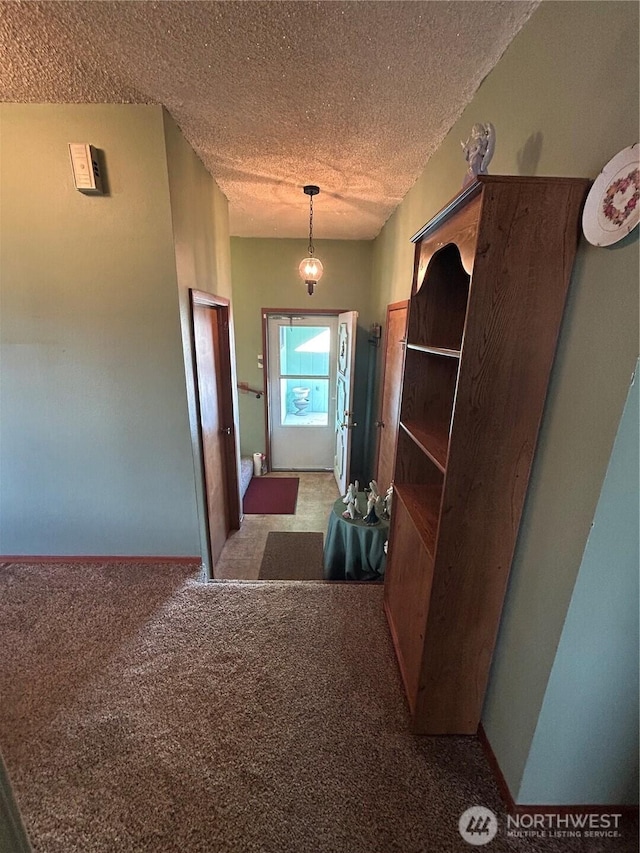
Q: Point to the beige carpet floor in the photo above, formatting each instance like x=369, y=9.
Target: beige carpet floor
x=143, y=711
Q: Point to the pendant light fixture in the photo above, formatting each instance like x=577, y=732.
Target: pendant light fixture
x=310, y=268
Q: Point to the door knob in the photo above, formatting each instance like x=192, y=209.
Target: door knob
x=379, y=423
x=225, y=430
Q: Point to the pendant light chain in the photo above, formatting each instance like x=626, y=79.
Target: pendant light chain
x=311, y=226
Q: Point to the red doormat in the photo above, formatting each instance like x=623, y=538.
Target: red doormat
x=271, y=496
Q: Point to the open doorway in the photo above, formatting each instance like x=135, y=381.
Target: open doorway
x=308, y=369
x=301, y=399
x=309, y=405
x=244, y=551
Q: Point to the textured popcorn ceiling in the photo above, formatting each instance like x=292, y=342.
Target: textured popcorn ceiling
x=352, y=96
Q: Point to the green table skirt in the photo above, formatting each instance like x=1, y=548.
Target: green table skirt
x=353, y=550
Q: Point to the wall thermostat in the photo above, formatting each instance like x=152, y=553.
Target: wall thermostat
x=86, y=168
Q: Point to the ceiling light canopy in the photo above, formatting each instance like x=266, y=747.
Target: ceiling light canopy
x=311, y=268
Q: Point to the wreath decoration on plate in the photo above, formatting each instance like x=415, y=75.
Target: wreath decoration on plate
x=615, y=214
x=612, y=208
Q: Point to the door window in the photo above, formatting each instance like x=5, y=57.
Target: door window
x=304, y=375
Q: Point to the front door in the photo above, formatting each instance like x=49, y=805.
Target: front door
x=344, y=423
x=301, y=391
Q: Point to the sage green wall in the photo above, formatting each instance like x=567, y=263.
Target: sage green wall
x=200, y=218
x=265, y=275
x=95, y=449
x=560, y=106
x=585, y=748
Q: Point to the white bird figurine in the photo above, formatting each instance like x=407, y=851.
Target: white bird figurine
x=351, y=494
x=351, y=511
x=388, y=500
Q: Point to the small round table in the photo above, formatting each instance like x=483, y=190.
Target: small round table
x=353, y=550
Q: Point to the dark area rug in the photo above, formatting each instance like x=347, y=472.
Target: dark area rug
x=292, y=557
x=271, y=496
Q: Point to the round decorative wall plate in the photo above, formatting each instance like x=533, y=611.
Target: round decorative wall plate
x=612, y=208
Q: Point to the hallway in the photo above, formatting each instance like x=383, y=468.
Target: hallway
x=243, y=550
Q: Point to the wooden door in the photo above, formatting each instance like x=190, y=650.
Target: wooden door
x=387, y=424
x=215, y=404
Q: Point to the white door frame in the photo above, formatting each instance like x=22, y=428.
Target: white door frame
x=285, y=312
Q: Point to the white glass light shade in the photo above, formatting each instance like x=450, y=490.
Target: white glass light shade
x=310, y=269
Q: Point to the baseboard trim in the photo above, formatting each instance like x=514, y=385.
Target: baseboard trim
x=514, y=808
x=92, y=558
x=501, y=782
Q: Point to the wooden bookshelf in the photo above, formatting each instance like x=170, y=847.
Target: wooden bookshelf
x=491, y=275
